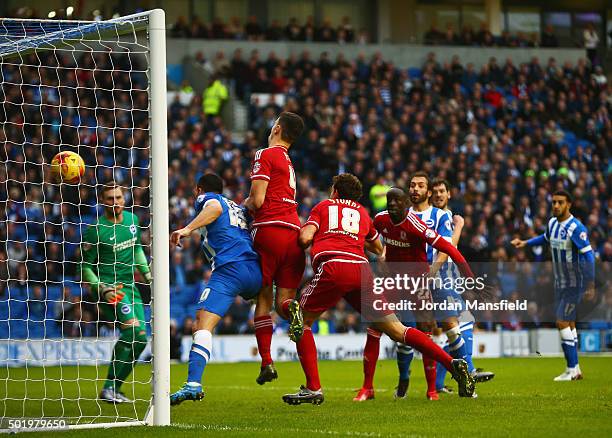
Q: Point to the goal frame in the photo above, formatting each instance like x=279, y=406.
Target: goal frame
x=158, y=413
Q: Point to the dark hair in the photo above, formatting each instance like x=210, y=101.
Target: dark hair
x=348, y=186
x=291, y=125
x=441, y=181
x=421, y=174
x=211, y=182
x=565, y=193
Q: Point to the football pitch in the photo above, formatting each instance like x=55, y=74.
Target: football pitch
x=521, y=400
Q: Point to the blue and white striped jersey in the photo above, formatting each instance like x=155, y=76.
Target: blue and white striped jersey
x=449, y=269
x=227, y=238
x=567, y=240
x=437, y=220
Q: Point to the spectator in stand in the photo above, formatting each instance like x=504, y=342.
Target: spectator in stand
x=450, y=36
x=234, y=29
x=293, y=31
x=175, y=341
x=180, y=29
x=253, y=29
x=187, y=329
x=548, y=38
x=274, y=32
x=217, y=29
x=214, y=96
x=591, y=42
x=433, y=36
x=326, y=32
x=347, y=30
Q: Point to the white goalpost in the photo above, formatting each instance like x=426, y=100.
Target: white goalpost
x=97, y=89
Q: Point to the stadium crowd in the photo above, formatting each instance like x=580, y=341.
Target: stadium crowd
x=252, y=30
x=504, y=135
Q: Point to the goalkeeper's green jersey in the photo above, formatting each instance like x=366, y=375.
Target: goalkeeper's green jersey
x=113, y=251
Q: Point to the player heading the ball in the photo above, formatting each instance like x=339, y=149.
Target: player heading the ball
x=276, y=227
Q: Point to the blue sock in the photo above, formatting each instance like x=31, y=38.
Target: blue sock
x=569, y=347
x=199, y=355
x=468, y=338
x=404, y=358
x=441, y=373
x=456, y=344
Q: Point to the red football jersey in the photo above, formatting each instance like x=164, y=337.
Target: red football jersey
x=279, y=208
x=343, y=226
x=406, y=241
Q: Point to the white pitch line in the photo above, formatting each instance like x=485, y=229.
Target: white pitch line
x=228, y=428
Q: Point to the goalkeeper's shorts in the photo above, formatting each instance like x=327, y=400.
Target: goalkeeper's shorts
x=128, y=308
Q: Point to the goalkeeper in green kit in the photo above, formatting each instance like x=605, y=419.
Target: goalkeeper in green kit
x=111, y=252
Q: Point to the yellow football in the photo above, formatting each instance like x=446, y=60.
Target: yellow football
x=67, y=167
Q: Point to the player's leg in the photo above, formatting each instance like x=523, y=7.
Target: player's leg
x=323, y=292
x=575, y=333
x=307, y=352
x=567, y=301
x=199, y=355
x=226, y=282
x=417, y=339
x=449, y=319
x=263, y=334
x=287, y=279
x=371, y=351
x=429, y=364
x=441, y=341
x=264, y=303
x=132, y=341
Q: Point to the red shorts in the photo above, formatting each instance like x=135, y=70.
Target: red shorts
x=341, y=278
x=282, y=260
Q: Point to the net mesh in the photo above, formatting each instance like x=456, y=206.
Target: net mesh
x=80, y=87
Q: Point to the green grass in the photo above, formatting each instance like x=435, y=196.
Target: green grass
x=521, y=400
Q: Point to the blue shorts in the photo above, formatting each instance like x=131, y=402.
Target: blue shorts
x=227, y=282
x=566, y=302
x=449, y=298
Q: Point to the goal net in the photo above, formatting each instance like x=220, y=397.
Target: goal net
x=96, y=89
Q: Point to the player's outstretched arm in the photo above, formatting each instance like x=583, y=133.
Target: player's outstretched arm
x=210, y=212
x=307, y=235
x=534, y=241
x=257, y=195
x=446, y=247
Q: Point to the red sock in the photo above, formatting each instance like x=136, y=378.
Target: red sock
x=419, y=340
x=284, y=308
x=307, y=351
x=429, y=365
x=263, y=334
x=370, y=357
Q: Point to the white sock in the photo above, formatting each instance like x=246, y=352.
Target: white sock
x=202, y=345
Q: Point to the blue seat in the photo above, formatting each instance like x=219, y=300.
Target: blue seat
x=415, y=73
x=54, y=293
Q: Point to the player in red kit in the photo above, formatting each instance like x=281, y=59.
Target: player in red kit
x=338, y=230
x=405, y=237
x=275, y=231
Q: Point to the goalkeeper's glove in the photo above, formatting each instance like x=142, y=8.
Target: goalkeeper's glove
x=111, y=294
x=148, y=277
